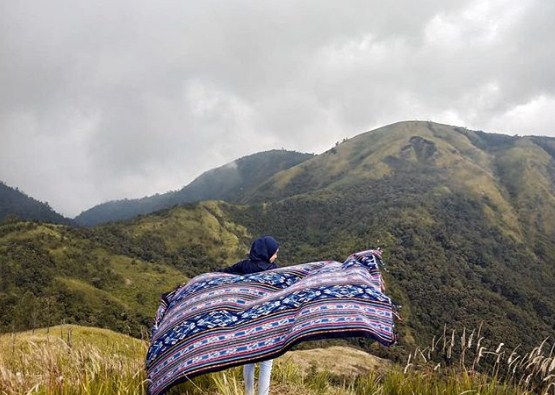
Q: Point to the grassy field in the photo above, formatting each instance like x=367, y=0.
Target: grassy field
x=81, y=360
x=71, y=360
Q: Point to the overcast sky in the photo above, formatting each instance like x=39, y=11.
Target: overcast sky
x=112, y=99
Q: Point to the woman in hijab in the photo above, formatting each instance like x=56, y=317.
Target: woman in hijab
x=262, y=255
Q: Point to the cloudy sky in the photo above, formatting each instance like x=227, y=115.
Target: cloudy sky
x=112, y=99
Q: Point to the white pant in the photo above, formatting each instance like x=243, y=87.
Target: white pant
x=263, y=377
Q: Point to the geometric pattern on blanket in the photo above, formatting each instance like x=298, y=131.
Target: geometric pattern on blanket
x=219, y=320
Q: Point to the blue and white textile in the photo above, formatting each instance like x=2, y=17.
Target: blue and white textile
x=219, y=320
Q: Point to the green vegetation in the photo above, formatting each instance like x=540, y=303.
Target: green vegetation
x=110, y=276
x=194, y=239
x=51, y=274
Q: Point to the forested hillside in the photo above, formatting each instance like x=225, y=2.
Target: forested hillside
x=109, y=276
x=15, y=204
x=465, y=217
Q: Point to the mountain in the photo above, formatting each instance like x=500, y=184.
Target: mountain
x=16, y=204
x=229, y=182
x=465, y=219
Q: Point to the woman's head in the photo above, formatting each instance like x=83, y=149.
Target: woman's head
x=264, y=249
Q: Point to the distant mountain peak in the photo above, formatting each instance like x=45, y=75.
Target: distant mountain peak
x=15, y=203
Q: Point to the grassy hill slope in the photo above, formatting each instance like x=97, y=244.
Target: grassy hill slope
x=51, y=274
x=110, y=276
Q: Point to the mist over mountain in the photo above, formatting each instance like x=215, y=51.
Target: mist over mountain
x=466, y=219
x=16, y=204
x=229, y=182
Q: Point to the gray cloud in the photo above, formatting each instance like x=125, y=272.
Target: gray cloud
x=106, y=100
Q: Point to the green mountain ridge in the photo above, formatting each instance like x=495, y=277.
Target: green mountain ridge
x=508, y=172
x=228, y=182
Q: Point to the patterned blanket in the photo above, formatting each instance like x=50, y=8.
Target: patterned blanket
x=219, y=320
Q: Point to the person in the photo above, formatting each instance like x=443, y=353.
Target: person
x=262, y=256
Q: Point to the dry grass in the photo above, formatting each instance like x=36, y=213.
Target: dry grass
x=464, y=355
x=66, y=361
x=77, y=360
